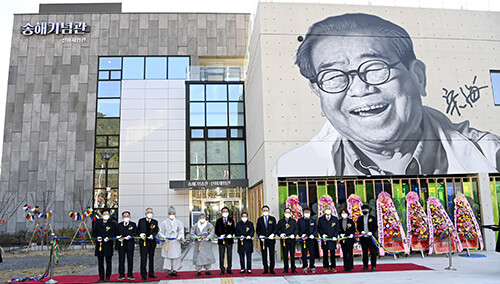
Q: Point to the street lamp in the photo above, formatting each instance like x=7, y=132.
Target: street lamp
x=106, y=156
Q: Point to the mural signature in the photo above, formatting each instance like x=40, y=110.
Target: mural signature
x=470, y=95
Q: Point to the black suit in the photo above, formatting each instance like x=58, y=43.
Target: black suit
x=147, y=246
x=126, y=247
x=104, y=249
x=348, y=244
x=308, y=227
x=245, y=247
x=331, y=228
x=267, y=245
x=288, y=244
x=225, y=245
x=367, y=242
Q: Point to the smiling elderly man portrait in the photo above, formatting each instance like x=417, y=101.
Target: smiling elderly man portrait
x=370, y=85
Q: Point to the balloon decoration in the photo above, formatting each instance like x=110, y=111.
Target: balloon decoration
x=390, y=230
x=440, y=228
x=468, y=229
x=416, y=223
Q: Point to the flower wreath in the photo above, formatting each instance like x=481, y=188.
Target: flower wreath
x=293, y=203
x=388, y=222
x=440, y=223
x=323, y=201
x=465, y=220
x=416, y=219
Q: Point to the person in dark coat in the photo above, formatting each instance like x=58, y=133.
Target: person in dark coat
x=245, y=232
x=347, y=230
x=308, y=231
x=367, y=225
x=126, y=231
x=266, y=229
x=225, y=229
x=147, y=230
x=328, y=227
x=104, y=230
x=288, y=230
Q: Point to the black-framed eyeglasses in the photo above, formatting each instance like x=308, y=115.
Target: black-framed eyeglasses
x=372, y=72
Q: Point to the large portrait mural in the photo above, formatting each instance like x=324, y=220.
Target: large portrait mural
x=370, y=84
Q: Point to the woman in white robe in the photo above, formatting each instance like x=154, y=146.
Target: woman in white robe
x=203, y=255
x=173, y=231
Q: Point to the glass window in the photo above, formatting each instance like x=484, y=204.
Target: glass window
x=113, y=141
x=100, y=163
x=113, y=178
x=495, y=83
x=217, y=133
x=177, y=67
x=101, y=141
x=197, y=173
x=197, y=152
x=110, y=63
x=216, y=114
x=236, y=92
x=108, y=126
x=197, y=114
x=238, y=172
x=116, y=75
x=103, y=75
x=234, y=74
x=133, y=68
x=156, y=68
x=217, y=152
x=109, y=89
x=108, y=108
x=217, y=172
x=196, y=92
x=236, y=114
x=100, y=178
x=197, y=133
x=237, y=151
x=216, y=92
x=236, y=133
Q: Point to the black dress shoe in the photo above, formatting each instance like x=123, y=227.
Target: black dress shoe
x=153, y=276
x=273, y=272
x=229, y=271
x=198, y=273
x=249, y=271
x=265, y=272
x=285, y=271
x=144, y=279
x=294, y=271
x=100, y=279
x=242, y=271
x=175, y=273
x=373, y=269
x=364, y=268
x=208, y=272
x=107, y=279
x=131, y=278
x=222, y=272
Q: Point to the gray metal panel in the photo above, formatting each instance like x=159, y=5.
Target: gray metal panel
x=80, y=8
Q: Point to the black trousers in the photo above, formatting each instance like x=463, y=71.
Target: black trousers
x=309, y=247
x=100, y=261
x=225, y=249
x=326, y=249
x=367, y=244
x=268, y=247
x=147, y=253
x=122, y=252
x=288, y=251
x=347, y=248
x=249, y=260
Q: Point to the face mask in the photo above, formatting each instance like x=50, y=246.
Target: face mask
x=172, y=217
x=105, y=217
x=244, y=219
x=344, y=215
x=365, y=212
x=307, y=215
x=149, y=215
x=203, y=220
x=126, y=220
x=225, y=214
x=265, y=213
x=288, y=215
x=328, y=211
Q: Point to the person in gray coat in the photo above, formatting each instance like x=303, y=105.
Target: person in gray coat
x=203, y=255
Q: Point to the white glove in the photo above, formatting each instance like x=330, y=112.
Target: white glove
x=291, y=236
x=325, y=236
x=106, y=239
x=262, y=237
x=119, y=238
x=342, y=235
x=229, y=236
x=283, y=235
x=241, y=237
x=311, y=236
x=370, y=233
x=99, y=239
x=334, y=238
x=248, y=237
x=222, y=236
x=179, y=238
x=350, y=236
x=128, y=237
x=303, y=236
x=150, y=237
x=363, y=232
x=142, y=235
x=271, y=236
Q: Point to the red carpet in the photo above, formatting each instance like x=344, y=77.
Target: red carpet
x=84, y=279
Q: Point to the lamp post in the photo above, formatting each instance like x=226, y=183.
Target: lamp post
x=106, y=155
